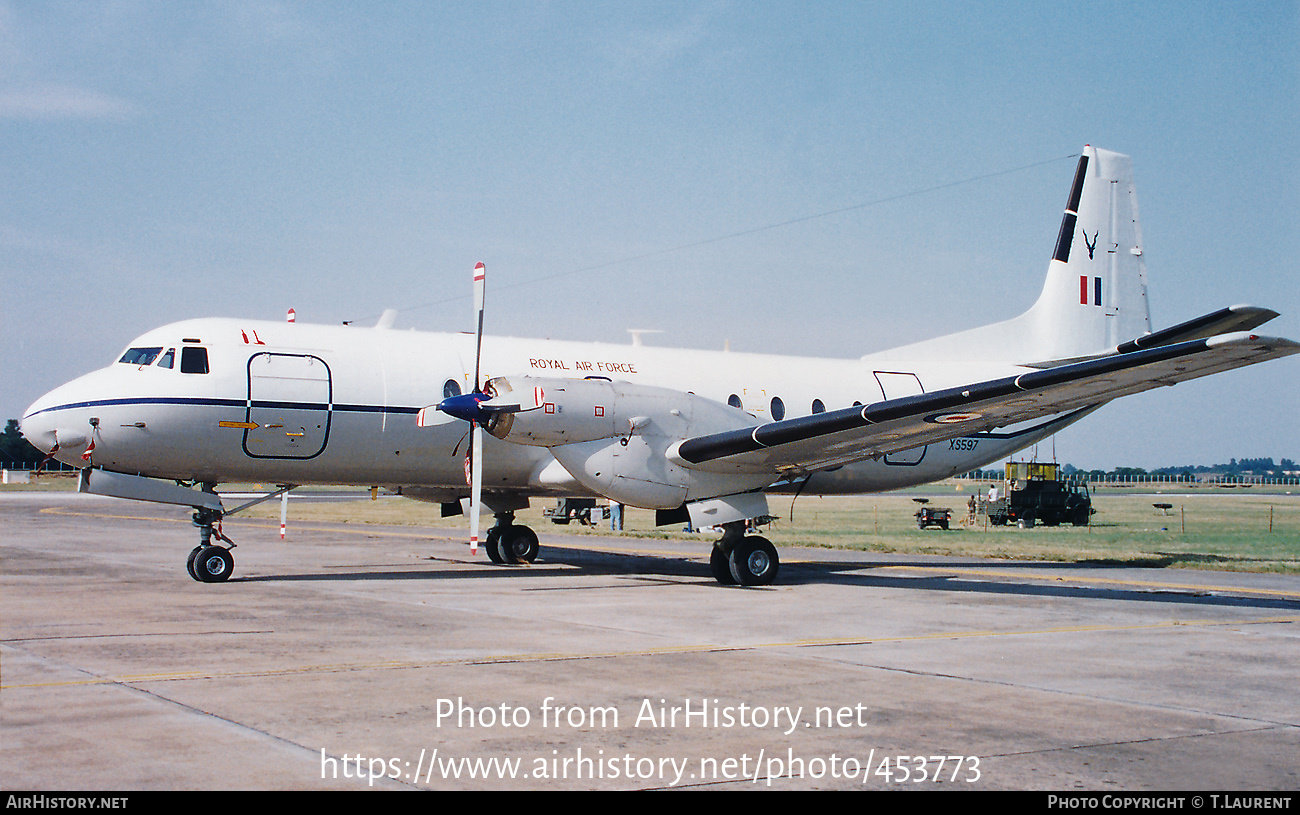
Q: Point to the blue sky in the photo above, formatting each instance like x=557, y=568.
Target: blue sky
x=163, y=161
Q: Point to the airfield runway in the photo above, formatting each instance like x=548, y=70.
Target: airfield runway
x=357, y=656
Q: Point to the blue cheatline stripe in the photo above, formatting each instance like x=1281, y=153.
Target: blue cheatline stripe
x=232, y=403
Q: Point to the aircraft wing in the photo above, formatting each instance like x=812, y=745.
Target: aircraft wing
x=808, y=443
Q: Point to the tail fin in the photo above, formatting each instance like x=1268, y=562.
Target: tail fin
x=1095, y=296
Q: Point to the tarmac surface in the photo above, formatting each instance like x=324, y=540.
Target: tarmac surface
x=352, y=656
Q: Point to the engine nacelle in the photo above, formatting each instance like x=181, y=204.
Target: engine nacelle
x=613, y=437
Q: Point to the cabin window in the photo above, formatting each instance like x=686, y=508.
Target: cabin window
x=818, y=406
x=194, y=360
x=450, y=388
x=140, y=356
x=778, y=409
x=168, y=359
x=735, y=402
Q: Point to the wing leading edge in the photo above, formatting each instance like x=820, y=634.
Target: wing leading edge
x=837, y=437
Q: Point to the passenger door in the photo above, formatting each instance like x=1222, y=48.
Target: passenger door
x=290, y=403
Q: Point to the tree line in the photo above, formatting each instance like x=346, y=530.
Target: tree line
x=1262, y=467
x=16, y=450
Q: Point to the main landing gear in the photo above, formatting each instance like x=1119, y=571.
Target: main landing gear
x=509, y=543
x=209, y=562
x=740, y=559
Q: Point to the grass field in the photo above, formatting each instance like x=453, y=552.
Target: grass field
x=1239, y=530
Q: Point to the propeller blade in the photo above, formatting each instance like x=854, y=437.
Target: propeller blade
x=475, y=485
x=480, y=286
x=431, y=416
x=476, y=439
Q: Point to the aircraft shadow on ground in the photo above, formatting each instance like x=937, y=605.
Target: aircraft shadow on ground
x=665, y=571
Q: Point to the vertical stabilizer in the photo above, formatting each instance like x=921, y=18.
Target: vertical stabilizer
x=1095, y=295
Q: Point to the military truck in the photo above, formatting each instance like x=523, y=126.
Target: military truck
x=1035, y=492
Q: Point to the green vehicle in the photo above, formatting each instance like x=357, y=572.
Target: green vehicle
x=1034, y=493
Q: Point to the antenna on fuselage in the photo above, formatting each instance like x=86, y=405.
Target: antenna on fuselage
x=637, y=332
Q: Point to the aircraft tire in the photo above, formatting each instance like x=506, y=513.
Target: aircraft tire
x=493, y=546
x=720, y=565
x=189, y=562
x=214, y=564
x=521, y=545
x=754, y=561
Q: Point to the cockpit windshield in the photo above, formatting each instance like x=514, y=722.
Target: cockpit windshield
x=140, y=356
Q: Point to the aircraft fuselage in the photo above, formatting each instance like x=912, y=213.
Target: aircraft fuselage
x=313, y=404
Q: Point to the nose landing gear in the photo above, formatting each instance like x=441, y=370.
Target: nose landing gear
x=209, y=562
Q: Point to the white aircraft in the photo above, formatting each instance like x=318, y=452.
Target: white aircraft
x=696, y=435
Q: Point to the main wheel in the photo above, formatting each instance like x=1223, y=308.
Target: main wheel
x=754, y=561
x=720, y=565
x=519, y=545
x=214, y=564
x=493, y=545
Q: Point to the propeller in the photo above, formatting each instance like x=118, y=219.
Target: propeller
x=489, y=406
x=474, y=464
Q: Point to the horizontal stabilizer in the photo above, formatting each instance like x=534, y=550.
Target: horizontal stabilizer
x=1225, y=320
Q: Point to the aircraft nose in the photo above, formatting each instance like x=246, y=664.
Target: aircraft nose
x=37, y=428
x=42, y=426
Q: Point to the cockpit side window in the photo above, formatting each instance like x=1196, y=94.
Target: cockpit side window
x=168, y=359
x=194, y=360
x=140, y=356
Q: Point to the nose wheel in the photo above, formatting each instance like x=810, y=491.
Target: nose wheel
x=209, y=562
